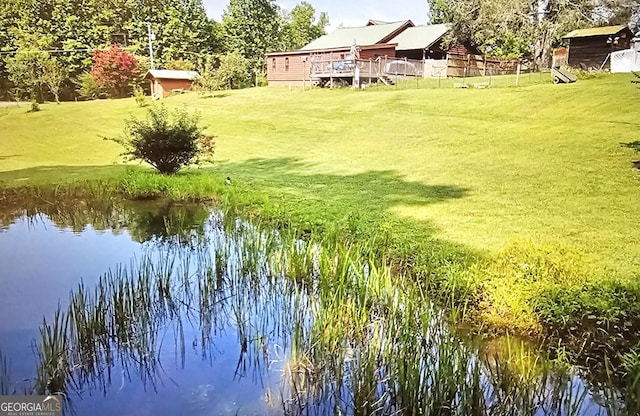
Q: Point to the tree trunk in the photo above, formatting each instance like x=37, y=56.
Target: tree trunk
x=542, y=51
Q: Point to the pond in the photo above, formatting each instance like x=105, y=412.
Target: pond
x=164, y=309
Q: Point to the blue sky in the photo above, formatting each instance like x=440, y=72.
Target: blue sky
x=348, y=12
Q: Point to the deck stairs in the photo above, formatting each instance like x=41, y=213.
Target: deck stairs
x=385, y=79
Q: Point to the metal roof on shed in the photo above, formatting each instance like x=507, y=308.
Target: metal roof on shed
x=594, y=31
x=347, y=36
x=172, y=74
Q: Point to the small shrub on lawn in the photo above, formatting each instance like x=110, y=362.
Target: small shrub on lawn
x=87, y=87
x=168, y=142
x=35, y=106
x=139, y=95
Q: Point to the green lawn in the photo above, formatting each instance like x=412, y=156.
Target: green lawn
x=479, y=168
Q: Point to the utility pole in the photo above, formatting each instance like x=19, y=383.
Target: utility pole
x=152, y=37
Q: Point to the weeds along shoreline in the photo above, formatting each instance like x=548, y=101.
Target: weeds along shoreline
x=348, y=336
x=546, y=293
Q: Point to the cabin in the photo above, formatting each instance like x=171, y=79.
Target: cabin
x=592, y=48
x=375, y=52
x=165, y=82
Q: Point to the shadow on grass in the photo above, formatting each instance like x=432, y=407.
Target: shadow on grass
x=311, y=195
x=58, y=174
x=375, y=188
x=5, y=157
x=632, y=145
x=207, y=96
x=295, y=187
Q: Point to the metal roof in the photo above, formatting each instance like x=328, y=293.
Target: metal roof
x=377, y=22
x=172, y=74
x=419, y=37
x=347, y=36
x=595, y=31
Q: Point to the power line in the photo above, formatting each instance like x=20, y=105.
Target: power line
x=56, y=50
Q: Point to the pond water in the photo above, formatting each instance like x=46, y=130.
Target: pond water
x=165, y=309
x=42, y=262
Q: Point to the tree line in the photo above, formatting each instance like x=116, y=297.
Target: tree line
x=528, y=28
x=48, y=48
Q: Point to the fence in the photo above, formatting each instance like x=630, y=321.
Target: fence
x=560, y=58
x=328, y=66
x=435, y=68
x=480, y=66
x=625, y=61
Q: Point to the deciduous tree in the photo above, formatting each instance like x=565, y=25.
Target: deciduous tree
x=524, y=27
x=232, y=73
x=253, y=28
x=115, y=71
x=25, y=67
x=53, y=75
x=301, y=26
x=77, y=27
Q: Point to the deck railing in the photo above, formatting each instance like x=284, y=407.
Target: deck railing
x=323, y=67
x=329, y=66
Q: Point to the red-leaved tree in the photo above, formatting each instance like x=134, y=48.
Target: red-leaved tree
x=114, y=71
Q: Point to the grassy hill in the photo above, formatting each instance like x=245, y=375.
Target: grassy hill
x=489, y=170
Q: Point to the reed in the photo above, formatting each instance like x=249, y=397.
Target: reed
x=344, y=331
x=6, y=386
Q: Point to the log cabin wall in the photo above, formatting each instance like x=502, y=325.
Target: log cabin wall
x=294, y=69
x=382, y=51
x=288, y=69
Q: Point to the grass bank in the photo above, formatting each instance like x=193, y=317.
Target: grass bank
x=519, y=205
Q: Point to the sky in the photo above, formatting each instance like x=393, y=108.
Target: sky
x=347, y=12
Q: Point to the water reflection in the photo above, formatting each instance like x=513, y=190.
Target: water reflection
x=142, y=220
x=197, y=314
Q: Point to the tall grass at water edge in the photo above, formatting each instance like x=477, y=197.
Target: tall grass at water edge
x=526, y=288
x=349, y=336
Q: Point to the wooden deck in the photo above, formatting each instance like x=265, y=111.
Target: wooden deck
x=357, y=71
x=329, y=69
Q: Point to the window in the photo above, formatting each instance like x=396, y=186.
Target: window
x=273, y=63
x=119, y=39
x=286, y=64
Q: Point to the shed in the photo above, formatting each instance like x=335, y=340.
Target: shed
x=591, y=48
x=164, y=82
